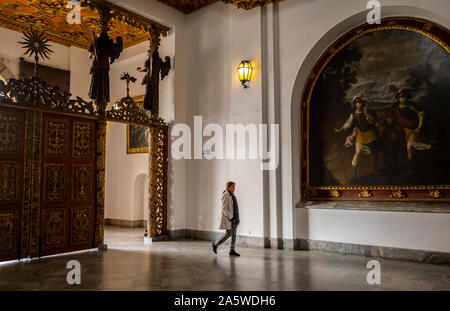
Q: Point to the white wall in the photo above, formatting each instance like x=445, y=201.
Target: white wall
x=125, y=170
x=10, y=48
x=306, y=29
x=71, y=58
x=219, y=38
x=177, y=169
x=122, y=173
x=423, y=231
x=288, y=38
x=79, y=72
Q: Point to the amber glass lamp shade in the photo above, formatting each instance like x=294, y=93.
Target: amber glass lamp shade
x=245, y=71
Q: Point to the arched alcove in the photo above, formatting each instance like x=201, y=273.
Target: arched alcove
x=308, y=64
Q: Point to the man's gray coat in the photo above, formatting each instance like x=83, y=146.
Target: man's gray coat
x=227, y=210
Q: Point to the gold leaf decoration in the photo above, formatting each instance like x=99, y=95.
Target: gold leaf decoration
x=365, y=194
x=398, y=194
x=335, y=193
x=436, y=194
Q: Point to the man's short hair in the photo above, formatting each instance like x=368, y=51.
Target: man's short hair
x=230, y=183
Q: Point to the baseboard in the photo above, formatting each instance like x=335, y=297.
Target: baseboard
x=126, y=223
x=422, y=256
x=242, y=240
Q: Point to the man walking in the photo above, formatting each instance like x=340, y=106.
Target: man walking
x=230, y=218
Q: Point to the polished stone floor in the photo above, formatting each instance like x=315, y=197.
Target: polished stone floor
x=128, y=264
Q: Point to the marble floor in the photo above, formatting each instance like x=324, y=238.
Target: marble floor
x=129, y=264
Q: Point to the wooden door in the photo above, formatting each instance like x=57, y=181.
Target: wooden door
x=68, y=170
x=12, y=143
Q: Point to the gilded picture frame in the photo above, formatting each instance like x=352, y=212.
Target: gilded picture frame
x=357, y=191
x=137, y=135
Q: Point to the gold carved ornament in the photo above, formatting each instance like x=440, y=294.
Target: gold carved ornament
x=335, y=193
x=128, y=111
x=10, y=133
x=35, y=93
x=158, y=144
x=82, y=143
x=250, y=4
x=365, y=194
x=398, y=194
x=54, y=228
x=51, y=17
x=435, y=194
x=32, y=185
x=188, y=6
x=100, y=175
x=7, y=232
x=81, y=225
x=81, y=182
x=57, y=133
x=55, y=182
x=8, y=180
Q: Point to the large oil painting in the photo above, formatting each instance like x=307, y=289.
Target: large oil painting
x=137, y=135
x=378, y=116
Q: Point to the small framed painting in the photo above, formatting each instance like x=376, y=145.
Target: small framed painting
x=137, y=135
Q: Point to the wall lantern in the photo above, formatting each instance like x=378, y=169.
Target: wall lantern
x=245, y=71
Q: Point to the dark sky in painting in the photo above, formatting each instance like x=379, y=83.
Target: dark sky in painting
x=395, y=59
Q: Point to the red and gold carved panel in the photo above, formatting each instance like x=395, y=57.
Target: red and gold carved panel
x=57, y=133
x=55, y=182
x=67, y=209
x=10, y=133
x=82, y=175
x=9, y=178
x=81, y=225
x=83, y=140
x=54, y=228
x=8, y=232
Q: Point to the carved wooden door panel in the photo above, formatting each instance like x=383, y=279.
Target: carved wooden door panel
x=12, y=141
x=68, y=169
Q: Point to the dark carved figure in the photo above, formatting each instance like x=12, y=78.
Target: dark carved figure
x=154, y=66
x=103, y=52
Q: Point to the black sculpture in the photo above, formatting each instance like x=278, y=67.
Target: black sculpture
x=36, y=44
x=104, y=52
x=153, y=66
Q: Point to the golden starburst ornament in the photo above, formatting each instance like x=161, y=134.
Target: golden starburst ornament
x=35, y=44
